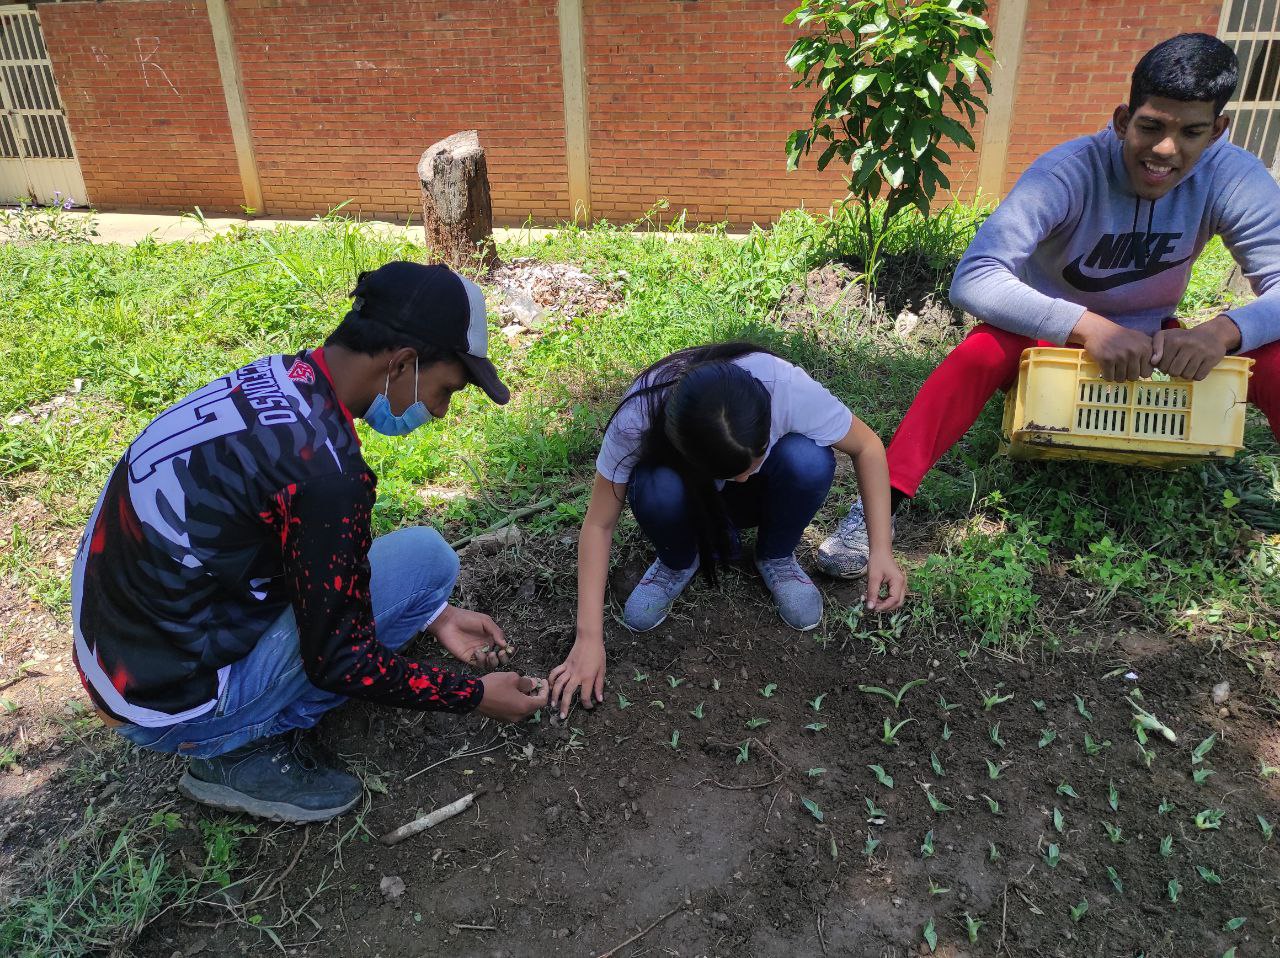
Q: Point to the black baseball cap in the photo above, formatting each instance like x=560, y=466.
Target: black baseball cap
x=436, y=305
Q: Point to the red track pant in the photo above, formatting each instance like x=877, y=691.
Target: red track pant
x=953, y=396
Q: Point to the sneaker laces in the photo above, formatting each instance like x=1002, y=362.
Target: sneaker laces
x=852, y=524
x=783, y=570
x=665, y=576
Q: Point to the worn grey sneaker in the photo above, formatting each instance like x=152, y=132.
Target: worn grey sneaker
x=650, y=601
x=845, y=555
x=275, y=778
x=798, y=600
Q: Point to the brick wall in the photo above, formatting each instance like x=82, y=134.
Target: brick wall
x=688, y=101
x=144, y=100
x=1077, y=57
x=691, y=102
x=344, y=97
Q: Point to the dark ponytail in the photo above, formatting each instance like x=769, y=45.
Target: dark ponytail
x=708, y=420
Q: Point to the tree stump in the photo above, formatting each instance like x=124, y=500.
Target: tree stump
x=457, y=213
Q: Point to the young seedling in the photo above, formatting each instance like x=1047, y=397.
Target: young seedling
x=1114, y=833
x=754, y=723
x=1052, y=856
x=937, y=765
x=875, y=814
x=1209, y=875
x=1065, y=788
x=768, y=690
x=1077, y=911
x=1268, y=771
x=1113, y=796
x=894, y=697
x=936, y=889
x=946, y=706
x=697, y=712
x=993, y=853
x=815, y=726
x=814, y=810
x=971, y=926
x=1235, y=924
x=1147, y=755
x=1230, y=952
x=815, y=772
x=1092, y=747
x=931, y=937
x=1115, y=879
x=658, y=704
x=994, y=770
x=640, y=676
x=995, y=698
x=992, y=804
x=1210, y=819
x=816, y=703
x=946, y=732
x=937, y=804
x=1083, y=709
x=623, y=701
x=1166, y=807
x=1046, y=738
x=1166, y=846
x=994, y=732
x=1267, y=828
x=1201, y=774
x=870, y=847
x=1059, y=820
x=744, y=754
x=1174, y=888
x=1038, y=704
x=883, y=777
x=674, y=682
x=675, y=739
x=715, y=685
x=1146, y=722
x=926, y=847
x=890, y=736
x=1201, y=750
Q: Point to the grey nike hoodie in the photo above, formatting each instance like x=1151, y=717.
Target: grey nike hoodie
x=1072, y=235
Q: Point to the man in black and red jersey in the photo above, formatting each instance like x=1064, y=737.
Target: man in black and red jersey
x=227, y=593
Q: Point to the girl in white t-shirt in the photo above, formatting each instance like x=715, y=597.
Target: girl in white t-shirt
x=707, y=441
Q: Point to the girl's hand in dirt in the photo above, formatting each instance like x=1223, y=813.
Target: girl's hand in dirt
x=883, y=571
x=511, y=697
x=582, y=672
x=471, y=637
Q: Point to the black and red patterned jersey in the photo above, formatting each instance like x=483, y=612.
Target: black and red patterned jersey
x=247, y=497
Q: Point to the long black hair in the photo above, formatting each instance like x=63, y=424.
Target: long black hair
x=708, y=420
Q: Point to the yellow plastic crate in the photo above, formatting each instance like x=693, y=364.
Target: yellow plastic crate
x=1062, y=408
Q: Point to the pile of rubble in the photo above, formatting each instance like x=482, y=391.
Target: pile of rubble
x=538, y=296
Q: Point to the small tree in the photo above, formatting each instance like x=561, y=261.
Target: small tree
x=889, y=70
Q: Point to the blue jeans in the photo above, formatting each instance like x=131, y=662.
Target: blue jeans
x=782, y=499
x=267, y=692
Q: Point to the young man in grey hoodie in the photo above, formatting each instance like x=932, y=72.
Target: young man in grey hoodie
x=1093, y=247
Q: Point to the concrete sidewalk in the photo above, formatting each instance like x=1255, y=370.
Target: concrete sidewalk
x=129, y=228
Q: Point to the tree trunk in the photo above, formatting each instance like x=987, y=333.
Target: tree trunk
x=457, y=213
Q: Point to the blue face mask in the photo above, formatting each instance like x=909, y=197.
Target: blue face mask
x=381, y=419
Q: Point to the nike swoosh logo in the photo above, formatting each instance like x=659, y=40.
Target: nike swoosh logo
x=1100, y=284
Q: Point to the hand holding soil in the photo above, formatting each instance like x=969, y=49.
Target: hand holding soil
x=511, y=697
x=471, y=637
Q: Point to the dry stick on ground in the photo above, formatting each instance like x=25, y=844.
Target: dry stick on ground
x=431, y=819
x=265, y=889
x=740, y=788
x=638, y=935
x=538, y=506
x=1004, y=914
x=482, y=751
